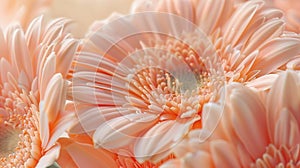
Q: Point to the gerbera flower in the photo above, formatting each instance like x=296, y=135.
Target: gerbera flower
x=34, y=65
x=255, y=131
x=21, y=11
x=141, y=81
x=141, y=90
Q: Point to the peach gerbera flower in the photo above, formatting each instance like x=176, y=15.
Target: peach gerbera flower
x=21, y=11
x=255, y=131
x=140, y=81
x=137, y=91
x=33, y=65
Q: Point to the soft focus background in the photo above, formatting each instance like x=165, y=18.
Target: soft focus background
x=84, y=12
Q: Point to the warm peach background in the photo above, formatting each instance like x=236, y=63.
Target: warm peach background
x=84, y=12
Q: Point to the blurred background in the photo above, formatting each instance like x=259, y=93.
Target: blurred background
x=84, y=12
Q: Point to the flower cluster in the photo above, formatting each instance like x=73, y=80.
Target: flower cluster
x=173, y=83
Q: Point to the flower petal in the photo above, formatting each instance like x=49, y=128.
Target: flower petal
x=216, y=10
x=55, y=97
x=44, y=125
x=223, y=154
x=122, y=130
x=284, y=93
x=49, y=157
x=249, y=118
x=157, y=142
x=267, y=31
x=47, y=73
x=199, y=158
x=90, y=119
x=294, y=64
x=264, y=82
x=287, y=131
x=34, y=33
x=62, y=125
x=4, y=47
x=5, y=67
x=65, y=56
x=240, y=20
x=20, y=54
x=75, y=154
x=211, y=116
x=174, y=163
x=276, y=53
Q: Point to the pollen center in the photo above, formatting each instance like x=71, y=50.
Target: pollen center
x=169, y=77
x=9, y=138
x=19, y=143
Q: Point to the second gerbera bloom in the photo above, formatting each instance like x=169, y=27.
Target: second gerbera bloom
x=134, y=95
x=34, y=66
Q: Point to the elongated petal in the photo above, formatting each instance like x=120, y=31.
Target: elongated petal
x=49, y=158
x=62, y=125
x=240, y=20
x=65, y=56
x=268, y=31
x=215, y=9
x=122, y=130
x=249, y=118
x=92, y=118
x=47, y=72
x=277, y=52
x=4, y=69
x=287, y=131
x=34, y=33
x=87, y=94
x=44, y=125
x=55, y=97
x=224, y=155
x=264, y=83
x=283, y=94
x=74, y=154
x=157, y=142
x=211, y=116
x=20, y=54
x=192, y=160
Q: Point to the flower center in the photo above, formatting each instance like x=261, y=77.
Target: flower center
x=171, y=78
x=9, y=138
x=19, y=137
x=161, y=93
